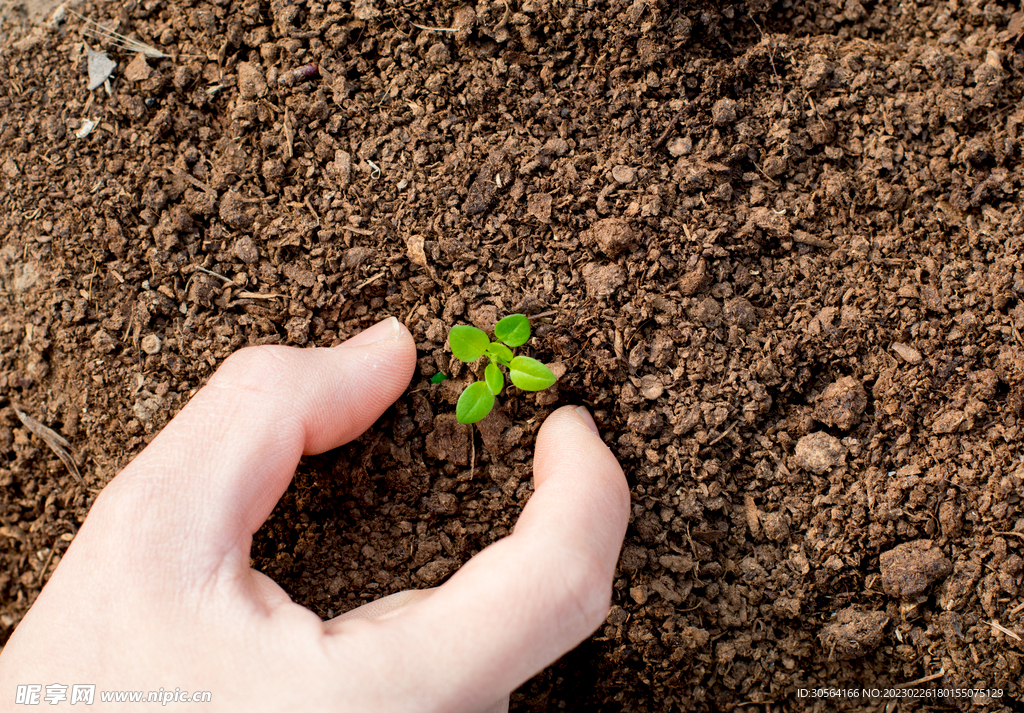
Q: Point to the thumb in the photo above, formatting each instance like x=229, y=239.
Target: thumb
x=212, y=476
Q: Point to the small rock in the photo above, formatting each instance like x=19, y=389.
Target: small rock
x=365, y=10
x=907, y=353
x=100, y=66
x=235, y=212
x=680, y=146
x=137, y=70
x=251, y=82
x=151, y=344
x=695, y=280
x=623, y=174
x=819, y=451
x=949, y=421
x=539, y=206
x=246, y=251
x=638, y=594
x=147, y=406
x=103, y=342
x=842, y=403
x=724, y=112
x=910, y=569
x=651, y=387
x=853, y=633
x=612, y=235
x=341, y=168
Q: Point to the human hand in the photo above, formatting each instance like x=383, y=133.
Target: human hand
x=156, y=589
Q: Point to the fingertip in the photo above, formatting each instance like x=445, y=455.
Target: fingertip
x=571, y=452
x=584, y=414
x=387, y=344
x=387, y=329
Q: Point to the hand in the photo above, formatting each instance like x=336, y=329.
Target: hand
x=156, y=589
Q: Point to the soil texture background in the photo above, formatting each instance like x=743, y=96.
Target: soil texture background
x=775, y=248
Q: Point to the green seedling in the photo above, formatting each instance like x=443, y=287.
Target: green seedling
x=469, y=344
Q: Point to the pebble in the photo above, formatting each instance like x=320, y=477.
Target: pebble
x=724, y=112
x=907, y=353
x=651, y=387
x=151, y=344
x=624, y=175
x=909, y=570
x=949, y=421
x=680, y=146
x=819, y=451
x=138, y=70
x=246, y=251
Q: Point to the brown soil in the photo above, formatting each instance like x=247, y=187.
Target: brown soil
x=776, y=249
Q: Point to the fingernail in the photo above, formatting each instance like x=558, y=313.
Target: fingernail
x=380, y=332
x=587, y=418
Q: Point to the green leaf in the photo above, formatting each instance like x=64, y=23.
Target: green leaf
x=438, y=377
x=475, y=403
x=530, y=375
x=494, y=378
x=467, y=343
x=514, y=330
x=500, y=352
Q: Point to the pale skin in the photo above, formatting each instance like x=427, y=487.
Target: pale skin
x=156, y=589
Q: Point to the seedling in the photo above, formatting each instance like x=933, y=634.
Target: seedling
x=469, y=344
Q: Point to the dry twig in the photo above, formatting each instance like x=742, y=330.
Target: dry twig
x=97, y=31
x=56, y=442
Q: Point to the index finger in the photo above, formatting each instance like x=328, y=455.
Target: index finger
x=524, y=601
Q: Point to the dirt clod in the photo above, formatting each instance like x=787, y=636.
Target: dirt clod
x=611, y=235
x=818, y=452
x=853, y=633
x=251, y=82
x=909, y=570
x=842, y=403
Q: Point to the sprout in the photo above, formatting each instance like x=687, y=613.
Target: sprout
x=469, y=344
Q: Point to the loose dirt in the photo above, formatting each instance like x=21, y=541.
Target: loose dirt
x=776, y=249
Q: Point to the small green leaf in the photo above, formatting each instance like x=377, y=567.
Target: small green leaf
x=475, y=403
x=530, y=375
x=514, y=330
x=500, y=352
x=494, y=378
x=467, y=343
x=438, y=377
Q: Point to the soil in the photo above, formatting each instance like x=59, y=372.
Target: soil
x=775, y=248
